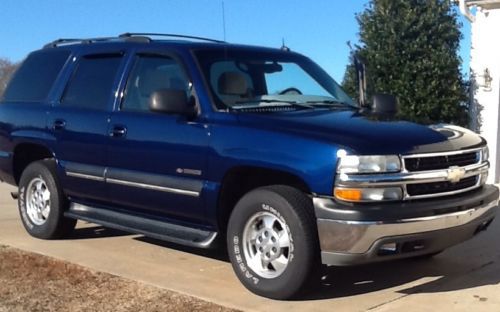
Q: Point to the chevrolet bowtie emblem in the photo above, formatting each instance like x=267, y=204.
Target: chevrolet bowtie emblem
x=455, y=174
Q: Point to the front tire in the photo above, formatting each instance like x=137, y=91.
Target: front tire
x=272, y=241
x=42, y=203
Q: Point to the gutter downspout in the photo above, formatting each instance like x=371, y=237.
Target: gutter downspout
x=464, y=9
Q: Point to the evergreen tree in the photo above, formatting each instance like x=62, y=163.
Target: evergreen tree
x=410, y=48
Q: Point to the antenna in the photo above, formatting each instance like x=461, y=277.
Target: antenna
x=223, y=20
x=283, y=46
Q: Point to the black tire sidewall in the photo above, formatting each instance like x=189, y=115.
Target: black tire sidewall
x=44, y=170
x=300, y=253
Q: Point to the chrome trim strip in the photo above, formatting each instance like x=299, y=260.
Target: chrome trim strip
x=84, y=176
x=406, y=177
x=422, y=155
x=153, y=187
x=359, y=236
x=106, y=179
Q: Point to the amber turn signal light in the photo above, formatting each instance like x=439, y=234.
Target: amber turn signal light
x=348, y=194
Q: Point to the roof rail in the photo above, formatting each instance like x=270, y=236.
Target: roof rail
x=128, y=35
x=134, y=37
x=66, y=41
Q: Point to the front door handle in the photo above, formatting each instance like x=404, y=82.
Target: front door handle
x=118, y=132
x=59, y=124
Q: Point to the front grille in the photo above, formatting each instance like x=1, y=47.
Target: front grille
x=441, y=162
x=440, y=187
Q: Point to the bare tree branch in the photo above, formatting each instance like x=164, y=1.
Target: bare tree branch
x=7, y=68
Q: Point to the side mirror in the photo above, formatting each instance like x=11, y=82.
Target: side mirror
x=171, y=101
x=384, y=104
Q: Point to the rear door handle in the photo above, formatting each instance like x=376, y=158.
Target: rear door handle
x=59, y=124
x=118, y=132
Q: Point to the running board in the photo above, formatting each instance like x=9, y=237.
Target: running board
x=152, y=228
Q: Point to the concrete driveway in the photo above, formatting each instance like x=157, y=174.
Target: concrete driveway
x=464, y=278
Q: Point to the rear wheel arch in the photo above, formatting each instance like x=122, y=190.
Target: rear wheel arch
x=27, y=153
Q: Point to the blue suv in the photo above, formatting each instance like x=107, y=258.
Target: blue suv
x=197, y=141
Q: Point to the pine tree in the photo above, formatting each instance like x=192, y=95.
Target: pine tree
x=410, y=48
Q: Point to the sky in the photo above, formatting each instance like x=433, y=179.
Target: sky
x=319, y=29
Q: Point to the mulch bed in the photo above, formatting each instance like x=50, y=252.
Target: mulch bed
x=31, y=282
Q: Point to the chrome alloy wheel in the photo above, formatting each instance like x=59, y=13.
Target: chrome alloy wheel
x=38, y=201
x=266, y=244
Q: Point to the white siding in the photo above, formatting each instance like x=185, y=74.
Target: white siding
x=485, y=54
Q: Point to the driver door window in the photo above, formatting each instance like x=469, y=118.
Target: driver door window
x=149, y=74
x=230, y=83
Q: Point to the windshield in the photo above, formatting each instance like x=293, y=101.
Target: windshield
x=243, y=78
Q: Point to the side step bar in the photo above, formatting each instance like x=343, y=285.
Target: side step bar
x=153, y=228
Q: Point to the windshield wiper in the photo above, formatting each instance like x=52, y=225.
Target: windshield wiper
x=288, y=103
x=329, y=103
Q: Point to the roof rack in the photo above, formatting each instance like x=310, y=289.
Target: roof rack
x=147, y=35
x=66, y=41
x=134, y=37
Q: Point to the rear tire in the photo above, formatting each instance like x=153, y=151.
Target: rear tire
x=42, y=203
x=272, y=241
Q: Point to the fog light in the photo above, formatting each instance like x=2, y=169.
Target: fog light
x=368, y=194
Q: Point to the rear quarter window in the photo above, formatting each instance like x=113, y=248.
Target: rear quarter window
x=36, y=76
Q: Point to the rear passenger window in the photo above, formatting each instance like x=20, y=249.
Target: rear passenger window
x=34, y=79
x=92, y=82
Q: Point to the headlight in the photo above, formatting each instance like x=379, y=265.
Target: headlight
x=368, y=194
x=368, y=164
x=485, y=154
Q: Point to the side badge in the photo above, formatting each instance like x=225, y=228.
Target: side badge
x=188, y=171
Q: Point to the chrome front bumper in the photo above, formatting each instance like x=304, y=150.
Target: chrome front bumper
x=347, y=242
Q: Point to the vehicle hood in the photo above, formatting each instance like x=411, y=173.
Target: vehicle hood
x=365, y=134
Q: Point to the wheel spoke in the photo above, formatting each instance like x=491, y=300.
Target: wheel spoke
x=284, y=239
x=256, y=261
x=253, y=233
x=39, y=215
x=280, y=263
x=46, y=211
x=268, y=221
x=46, y=195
